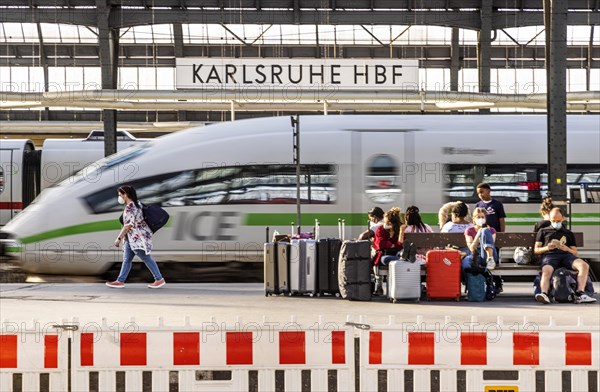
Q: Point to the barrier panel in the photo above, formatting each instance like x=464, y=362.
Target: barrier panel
x=214, y=357
x=33, y=357
x=479, y=357
x=269, y=356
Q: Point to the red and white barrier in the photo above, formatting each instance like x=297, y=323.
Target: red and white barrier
x=32, y=358
x=469, y=357
x=277, y=357
x=214, y=357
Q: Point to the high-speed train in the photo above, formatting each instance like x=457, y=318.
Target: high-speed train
x=223, y=184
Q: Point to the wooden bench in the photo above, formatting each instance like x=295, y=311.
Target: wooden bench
x=503, y=240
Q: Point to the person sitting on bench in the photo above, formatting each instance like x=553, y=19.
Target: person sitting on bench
x=557, y=246
x=480, y=240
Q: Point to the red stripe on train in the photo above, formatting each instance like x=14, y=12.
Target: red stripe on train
x=7, y=205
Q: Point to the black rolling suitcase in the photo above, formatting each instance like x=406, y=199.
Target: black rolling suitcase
x=328, y=253
x=354, y=274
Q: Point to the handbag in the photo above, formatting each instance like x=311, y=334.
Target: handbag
x=523, y=255
x=155, y=217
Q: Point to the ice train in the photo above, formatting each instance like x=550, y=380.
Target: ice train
x=224, y=183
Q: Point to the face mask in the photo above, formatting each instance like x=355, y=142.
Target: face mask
x=480, y=221
x=120, y=200
x=556, y=225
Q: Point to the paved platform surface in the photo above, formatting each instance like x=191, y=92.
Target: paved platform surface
x=90, y=302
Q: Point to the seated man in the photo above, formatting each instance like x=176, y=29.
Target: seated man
x=557, y=246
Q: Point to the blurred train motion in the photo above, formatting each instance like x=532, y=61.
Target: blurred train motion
x=224, y=183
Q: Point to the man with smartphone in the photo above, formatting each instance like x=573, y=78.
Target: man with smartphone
x=557, y=246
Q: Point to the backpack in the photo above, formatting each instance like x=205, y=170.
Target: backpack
x=490, y=286
x=476, y=290
x=155, y=217
x=560, y=284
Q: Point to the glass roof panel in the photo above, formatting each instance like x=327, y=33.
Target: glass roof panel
x=50, y=32
x=20, y=32
x=88, y=35
x=578, y=35
x=163, y=33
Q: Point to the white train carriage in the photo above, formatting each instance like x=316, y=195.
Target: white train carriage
x=14, y=154
x=224, y=183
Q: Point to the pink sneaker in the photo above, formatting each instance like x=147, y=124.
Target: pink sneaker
x=157, y=284
x=116, y=284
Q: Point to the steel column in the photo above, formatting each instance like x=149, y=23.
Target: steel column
x=454, y=59
x=484, y=38
x=555, y=17
x=108, y=42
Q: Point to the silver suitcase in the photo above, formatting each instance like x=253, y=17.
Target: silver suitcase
x=303, y=267
x=404, y=281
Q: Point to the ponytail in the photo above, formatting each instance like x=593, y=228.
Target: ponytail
x=131, y=193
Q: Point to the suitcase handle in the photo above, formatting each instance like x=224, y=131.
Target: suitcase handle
x=342, y=228
x=267, y=234
x=317, y=230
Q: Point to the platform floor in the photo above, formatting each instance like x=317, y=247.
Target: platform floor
x=90, y=302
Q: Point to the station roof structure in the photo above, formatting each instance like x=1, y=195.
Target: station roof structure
x=477, y=46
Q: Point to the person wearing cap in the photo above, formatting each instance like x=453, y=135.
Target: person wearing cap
x=375, y=220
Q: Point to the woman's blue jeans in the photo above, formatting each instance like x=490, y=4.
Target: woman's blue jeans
x=387, y=259
x=486, y=240
x=128, y=255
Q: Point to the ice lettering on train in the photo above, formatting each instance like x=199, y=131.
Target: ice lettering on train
x=206, y=225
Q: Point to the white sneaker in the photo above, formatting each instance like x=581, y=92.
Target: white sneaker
x=585, y=299
x=491, y=264
x=542, y=298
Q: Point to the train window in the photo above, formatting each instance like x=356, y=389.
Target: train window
x=517, y=183
x=382, y=182
x=253, y=184
x=95, y=169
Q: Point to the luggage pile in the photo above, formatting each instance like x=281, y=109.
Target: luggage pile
x=318, y=266
x=309, y=265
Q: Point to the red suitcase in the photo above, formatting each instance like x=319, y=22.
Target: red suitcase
x=443, y=274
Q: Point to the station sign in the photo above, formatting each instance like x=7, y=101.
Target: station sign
x=199, y=73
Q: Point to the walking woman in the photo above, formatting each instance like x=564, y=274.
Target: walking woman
x=137, y=239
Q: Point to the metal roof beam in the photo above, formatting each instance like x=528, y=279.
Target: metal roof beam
x=468, y=19
x=339, y=4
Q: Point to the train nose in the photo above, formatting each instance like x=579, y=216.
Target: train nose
x=9, y=246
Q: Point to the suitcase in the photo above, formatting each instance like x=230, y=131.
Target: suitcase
x=443, y=274
x=303, y=267
x=328, y=253
x=354, y=274
x=276, y=268
x=404, y=281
